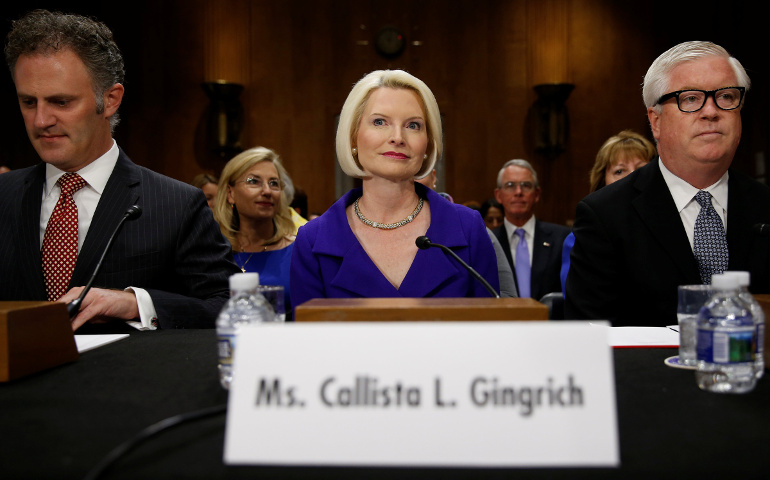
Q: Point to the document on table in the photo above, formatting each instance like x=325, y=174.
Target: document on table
x=89, y=342
x=641, y=336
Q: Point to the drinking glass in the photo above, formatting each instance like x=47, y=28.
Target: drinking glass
x=691, y=299
x=274, y=296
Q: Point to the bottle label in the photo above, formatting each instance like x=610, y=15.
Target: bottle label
x=225, y=345
x=721, y=345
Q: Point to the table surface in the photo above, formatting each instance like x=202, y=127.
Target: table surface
x=60, y=423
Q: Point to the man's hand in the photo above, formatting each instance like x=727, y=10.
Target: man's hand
x=101, y=305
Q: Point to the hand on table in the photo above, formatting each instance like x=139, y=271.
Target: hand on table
x=101, y=305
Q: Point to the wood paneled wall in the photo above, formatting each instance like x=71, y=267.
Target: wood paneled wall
x=298, y=59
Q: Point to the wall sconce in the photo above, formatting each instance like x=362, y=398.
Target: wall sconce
x=224, y=118
x=551, y=118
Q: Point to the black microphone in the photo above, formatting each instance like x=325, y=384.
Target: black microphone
x=424, y=243
x=762, y=229
x=132, y=213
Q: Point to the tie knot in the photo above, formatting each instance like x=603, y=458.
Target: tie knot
x=703, y=198
x=71, y=183
x=520, y=232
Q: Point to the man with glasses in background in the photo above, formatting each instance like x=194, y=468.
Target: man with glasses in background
x=533, y=247
x=683, y=217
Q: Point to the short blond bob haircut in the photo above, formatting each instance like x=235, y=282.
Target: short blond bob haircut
x=628, y=143
x=227, y=215
x=355, y=104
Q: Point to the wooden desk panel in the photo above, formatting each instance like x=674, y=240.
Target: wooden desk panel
x=420, y=309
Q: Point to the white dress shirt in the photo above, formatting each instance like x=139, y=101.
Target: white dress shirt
x=684, y=198
x=513, y=239
x=96, y=174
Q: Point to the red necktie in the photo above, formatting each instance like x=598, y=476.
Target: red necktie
x=60, y=242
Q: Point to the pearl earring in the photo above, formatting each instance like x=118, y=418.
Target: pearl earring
x=425, y=157
x=354, y=151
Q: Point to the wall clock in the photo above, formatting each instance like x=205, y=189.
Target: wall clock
x=389, y=42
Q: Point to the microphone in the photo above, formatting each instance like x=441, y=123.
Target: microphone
x=762, y=229
x=132, y=213
x=424, y=243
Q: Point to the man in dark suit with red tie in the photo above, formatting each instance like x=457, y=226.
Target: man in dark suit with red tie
x=533, y=247
x=683, y=217
x=168, y=268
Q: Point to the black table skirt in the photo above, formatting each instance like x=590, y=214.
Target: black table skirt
x=60, y=423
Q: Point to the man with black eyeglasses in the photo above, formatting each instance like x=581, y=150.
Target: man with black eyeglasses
x=533, y=247
x=686, y=215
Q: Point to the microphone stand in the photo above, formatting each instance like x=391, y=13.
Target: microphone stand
x=133, y=212
x=423, y=243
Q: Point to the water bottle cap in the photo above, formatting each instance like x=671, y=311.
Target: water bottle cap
x=722, y=281
x=743, y=278
x=244, y=281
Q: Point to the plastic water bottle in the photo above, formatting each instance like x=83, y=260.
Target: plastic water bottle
x=726, y=340
x=744, y=279
x=245, y=306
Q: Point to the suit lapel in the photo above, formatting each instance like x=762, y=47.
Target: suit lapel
x=741, y=218
x=357, y=273
x=360, y=276
x=118, y=195
x=433, y=268
x=542, y=246
x=29, y=232
x=658, y=212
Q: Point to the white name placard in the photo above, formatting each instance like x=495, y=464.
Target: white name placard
x=483, y=394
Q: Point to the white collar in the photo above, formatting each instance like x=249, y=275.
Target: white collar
x=528, y=227
x=683, y=193
x=95, y=173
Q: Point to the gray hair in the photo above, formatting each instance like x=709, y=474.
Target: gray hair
x=517, y=163
x=656, y=81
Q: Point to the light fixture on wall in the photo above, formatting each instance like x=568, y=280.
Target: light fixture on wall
x=551, y=120
x=224, y=118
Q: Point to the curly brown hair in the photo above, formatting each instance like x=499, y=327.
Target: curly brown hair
x=41, y=32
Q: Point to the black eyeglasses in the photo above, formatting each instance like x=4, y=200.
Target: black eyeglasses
x=688, y=101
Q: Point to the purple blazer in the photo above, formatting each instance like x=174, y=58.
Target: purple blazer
x=328, y=261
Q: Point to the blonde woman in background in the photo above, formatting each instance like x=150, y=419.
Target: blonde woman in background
x=253, y=214
x=620, y=155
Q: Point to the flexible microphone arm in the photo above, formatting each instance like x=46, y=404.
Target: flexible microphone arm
x=133, y=212
x=424, y=243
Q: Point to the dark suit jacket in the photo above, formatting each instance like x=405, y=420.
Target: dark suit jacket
x=174, y=250
x=631, y=250
x=546, y=256
x=329, y=262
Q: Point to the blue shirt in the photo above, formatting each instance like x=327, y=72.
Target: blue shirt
x=273, y=268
